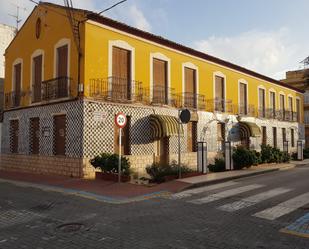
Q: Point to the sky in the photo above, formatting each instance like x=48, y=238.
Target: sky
x=267, y=36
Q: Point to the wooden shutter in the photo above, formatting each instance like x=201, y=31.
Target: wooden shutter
x=34, y=135
x=264, y=135
x=121, y=63
x=17, y=79
x=292, y=138
x=14, y=130
x=160, y=81
x=283, y=134
x=62, y=67
x=243, y=98
x=190, y=80
x=219, y=88
x=37, y=77
x=262, y=100
x=298, y=109
x=282, y=104
x=275, y=137
x=59, y=134
x=290, y=104
x=273, y=100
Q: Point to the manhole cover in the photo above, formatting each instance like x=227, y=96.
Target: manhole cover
x=70, y=227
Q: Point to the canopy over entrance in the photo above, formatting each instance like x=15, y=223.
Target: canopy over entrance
x=164, y=126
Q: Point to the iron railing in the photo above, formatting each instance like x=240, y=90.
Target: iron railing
x=262, y=112
x=116, y=89
x=245, y=110
x=219, y=105
x=13, y=99
x=193, y=101
x=165, y=96
x=56, y=88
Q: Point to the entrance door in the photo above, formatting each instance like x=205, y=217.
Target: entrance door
x=121, y=80
x=59, y=134
x=162, y=154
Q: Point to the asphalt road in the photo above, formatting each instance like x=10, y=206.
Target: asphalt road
x=256, y=212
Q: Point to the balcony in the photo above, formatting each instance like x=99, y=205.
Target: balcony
x=116, y=89
x=219, y=105
x=13, y=99
x=165, y=96
x=262, y=112
x=193, y=101
x=54, y=89
x=245, y=110
x=271, y=113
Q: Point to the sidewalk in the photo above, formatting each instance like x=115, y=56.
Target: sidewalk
x=115, y=193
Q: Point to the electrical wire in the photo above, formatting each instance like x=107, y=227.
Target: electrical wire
x=113, y=6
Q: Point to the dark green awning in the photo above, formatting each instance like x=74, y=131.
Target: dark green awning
x=164, y=126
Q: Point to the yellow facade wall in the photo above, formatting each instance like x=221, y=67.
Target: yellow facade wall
x=97, y=38
x=55, y=26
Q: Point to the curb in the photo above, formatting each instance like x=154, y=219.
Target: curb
x=205, y=183
x=88, y=195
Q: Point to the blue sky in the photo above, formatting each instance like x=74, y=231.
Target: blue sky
x=268, y=36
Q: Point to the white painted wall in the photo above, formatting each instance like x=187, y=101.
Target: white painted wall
x=7, y=34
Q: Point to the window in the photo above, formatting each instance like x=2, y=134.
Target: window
x=282, y=106
x=62, y=61
x=274, y=137
x=290, y=104
x=34, y=142
x=192, y=136
x=262, y=103
x=243, y=108
x=283, y=135
x=160, y=88
x=59, y=134
x=298, y=110
x=272, y=104
x=264, y=135
x=125, y=138
x=14, y=130
x=219, y=94
x=190, y=88
x=37, y=77
x=292, y=138
x=17, y=85
x=121, y=80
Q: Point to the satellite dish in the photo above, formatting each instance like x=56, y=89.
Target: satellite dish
x=185, y=116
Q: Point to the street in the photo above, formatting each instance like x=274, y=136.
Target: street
x=254, y=212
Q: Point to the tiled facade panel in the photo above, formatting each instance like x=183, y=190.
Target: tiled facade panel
x=74, y=123
x=99, y=136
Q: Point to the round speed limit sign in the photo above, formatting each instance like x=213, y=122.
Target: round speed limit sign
x=121, y=120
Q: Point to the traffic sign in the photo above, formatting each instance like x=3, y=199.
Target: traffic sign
x=185, y=116
x=121, y=120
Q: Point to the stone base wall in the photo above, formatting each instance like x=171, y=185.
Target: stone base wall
x=46, y=165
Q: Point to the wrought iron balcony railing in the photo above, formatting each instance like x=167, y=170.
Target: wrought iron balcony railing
x=56, y=88
x=245, y=110
x=165, y=96
x=13, y=99
x=262, y=112
x=219, y=105
x=193, y=101
x=116, y=89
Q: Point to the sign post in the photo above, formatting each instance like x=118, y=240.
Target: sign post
x=120, y=121
x=184, y=118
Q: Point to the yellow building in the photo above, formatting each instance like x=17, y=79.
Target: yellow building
x=69, y=71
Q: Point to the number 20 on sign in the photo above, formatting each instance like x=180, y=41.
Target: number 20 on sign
x=120, y=121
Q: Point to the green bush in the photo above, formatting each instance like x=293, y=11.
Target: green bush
x=257, y=157
x=219, y=165
x=158, y=172
x=243, y=158
x=108, y=163
x=273, y=155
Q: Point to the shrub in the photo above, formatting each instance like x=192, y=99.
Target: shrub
x=273, y=155
x=219, y=165
x=242, y=157
x=108, y=163
x=158, y=172
x=257, y=157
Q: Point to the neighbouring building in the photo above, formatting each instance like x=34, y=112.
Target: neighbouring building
x=300, y=79
x=7, y=34
x=69, y=71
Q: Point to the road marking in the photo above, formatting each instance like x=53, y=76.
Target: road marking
x=252, y=200
x=190, y=192
x=226, y=194
x=284, y=207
